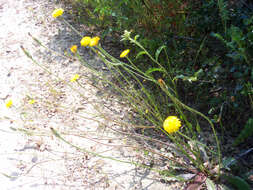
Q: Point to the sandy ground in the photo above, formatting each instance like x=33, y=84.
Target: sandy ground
x=31, y=157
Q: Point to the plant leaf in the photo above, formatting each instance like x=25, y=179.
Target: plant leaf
x=151, y=70
x=189, y=79
x=140, y=53
x=196, y=74
x=227, y=162
x=218, y=36
x=158, y=51
x=245, y=133
x=194, y=186
x=238, y=182
x=210, y=184
x=136, y=37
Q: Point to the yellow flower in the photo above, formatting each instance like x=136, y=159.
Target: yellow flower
x=171, y=124
x=73, y=49
x=74, y=78
x=94, y=41
x=31, y=101
x=85, y=41
x=57, y=12
x=9, y=103
x=124, y=53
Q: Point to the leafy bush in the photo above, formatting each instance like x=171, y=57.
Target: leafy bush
x=151, y=16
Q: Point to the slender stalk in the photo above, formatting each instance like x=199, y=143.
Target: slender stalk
x=147, y=53
x=56, y=134
x=69, y=25
x=176, y=101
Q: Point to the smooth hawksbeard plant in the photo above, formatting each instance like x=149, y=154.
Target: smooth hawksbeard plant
x=31, y=101
x=171, y=124
x=9, y=103
x=74, y=78
x=88, y=41
x=85, y=41
x=57, y=12
x=73, y=49
x=124, y=53
x=94, y=41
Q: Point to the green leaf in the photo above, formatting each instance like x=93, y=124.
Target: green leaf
x=238, y=182
x=198, y=128
x=189, y=79
x=245, y=133
x=146, y=152
x=136, y=37
x=248, y=21
x=158, y=51
x=236, y=33
x=196, y=74
x=210, y=184
x=140, y=53
x=192, y=79
x=228, y=162
x=216, y=35
x=151, y=70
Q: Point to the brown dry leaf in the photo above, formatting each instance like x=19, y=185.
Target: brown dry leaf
x=197, y=183
x=194, y=186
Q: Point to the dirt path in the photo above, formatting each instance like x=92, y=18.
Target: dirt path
x=40, y=160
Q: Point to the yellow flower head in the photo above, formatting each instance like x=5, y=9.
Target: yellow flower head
x=73, y=49
x=74, y=78
x=94, y=41
x=85, y=41
x=171, y=124
x=9, y=103
x=124, y=53
x=57, y=12
x=31, y=101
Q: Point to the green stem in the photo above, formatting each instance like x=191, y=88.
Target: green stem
x=176, y=101
x=147, y=53
x=107, y=157
x=69, y=25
